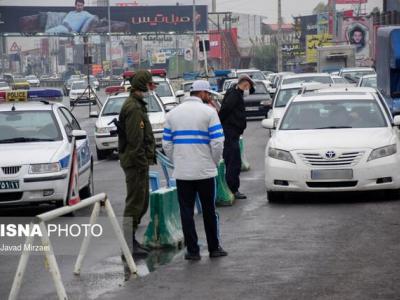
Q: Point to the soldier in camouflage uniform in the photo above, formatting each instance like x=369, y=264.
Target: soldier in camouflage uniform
x=137, y=153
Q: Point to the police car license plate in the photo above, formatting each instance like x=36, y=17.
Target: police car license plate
x=9, y=185
x=252, y=108
x=344, y=174
x=17, y=96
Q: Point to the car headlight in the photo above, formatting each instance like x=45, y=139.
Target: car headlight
x=102, y=130
x=281, y=155
x=157, y=126
x=382, y=152
x=45, y=168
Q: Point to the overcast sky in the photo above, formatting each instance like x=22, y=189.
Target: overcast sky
x=266, y=8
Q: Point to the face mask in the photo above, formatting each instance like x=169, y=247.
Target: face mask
x=246, y=93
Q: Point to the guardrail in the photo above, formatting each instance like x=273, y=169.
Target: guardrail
x=100, y=200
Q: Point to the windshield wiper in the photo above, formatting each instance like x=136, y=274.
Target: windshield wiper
x=111, y=114
x=334, y=127
x=24, y=140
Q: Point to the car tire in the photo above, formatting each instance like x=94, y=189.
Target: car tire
x=71, y=103
x=102, y=154
x=393, y=194
x=274, y=197
x=88, y=191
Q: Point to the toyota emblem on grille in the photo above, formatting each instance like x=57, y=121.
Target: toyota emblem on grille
x=330, y=154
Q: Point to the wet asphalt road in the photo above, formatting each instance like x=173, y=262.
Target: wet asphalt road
x=329, y=246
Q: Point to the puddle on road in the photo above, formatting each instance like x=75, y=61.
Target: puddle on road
x=109, y=275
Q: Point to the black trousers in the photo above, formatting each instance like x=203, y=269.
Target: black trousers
x=233, y=161
x=187, y=191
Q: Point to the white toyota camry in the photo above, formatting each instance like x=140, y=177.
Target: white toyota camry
x=332, y=141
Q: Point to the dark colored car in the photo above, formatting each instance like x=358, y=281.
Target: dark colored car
x=259, y=103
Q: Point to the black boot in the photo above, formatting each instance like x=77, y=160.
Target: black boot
x=137, y=251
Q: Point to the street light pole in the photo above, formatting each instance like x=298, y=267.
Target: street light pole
x=214, y=6
x=194, y=37
x=109, y=37
x=279, y=46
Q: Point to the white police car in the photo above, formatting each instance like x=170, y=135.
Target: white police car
x=35, y=143
x=105, y=133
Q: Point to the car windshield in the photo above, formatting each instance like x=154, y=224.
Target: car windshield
x=260, y=89
x=164, y=89
x=369, y=82
x=339, y=80
x=354, y=77
x=284, y=96
x=255, y=75
x=19, y=80
x=333, y=114
x=187, y=87
x=3, y=84
x=228, y=84
x=78, y=85
x=153, y=105
x=308, y=79
x=28, y=126
x=31, y=77
x=113, y=106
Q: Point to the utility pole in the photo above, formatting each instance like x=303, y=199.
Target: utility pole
x=109, y=37
x=332, y=17
x=279, y=46
x=194, y=37
x=214, y=6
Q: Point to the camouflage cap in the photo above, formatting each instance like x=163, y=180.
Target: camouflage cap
x=140, y=80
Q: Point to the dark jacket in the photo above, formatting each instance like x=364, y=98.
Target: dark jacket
x=233, y=112
x=136, y=140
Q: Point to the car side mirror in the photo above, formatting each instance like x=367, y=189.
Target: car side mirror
x=169, y=107
x=179, y=94
x=268, y=123
x=79, y=134
x=396, y=120
x=94, y=114
x=267, y=103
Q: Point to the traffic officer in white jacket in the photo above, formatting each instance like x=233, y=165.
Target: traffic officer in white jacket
x=193, y=140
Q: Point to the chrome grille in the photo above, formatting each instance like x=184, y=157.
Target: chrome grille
x=11, y=170
x=343, y=159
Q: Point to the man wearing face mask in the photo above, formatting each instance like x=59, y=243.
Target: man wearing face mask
x=233, y=119
x=136, y=153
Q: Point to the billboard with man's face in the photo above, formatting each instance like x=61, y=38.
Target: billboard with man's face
x=79, y=19
x=357, y=32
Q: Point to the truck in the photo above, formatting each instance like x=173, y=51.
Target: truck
x=333, y=58
x=388, y=66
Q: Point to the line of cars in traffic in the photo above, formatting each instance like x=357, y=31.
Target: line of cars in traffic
x=328, y=137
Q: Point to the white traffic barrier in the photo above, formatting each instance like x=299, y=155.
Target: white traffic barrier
x=99, y=201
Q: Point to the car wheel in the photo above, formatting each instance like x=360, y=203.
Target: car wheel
x=71, y=103
x=393, y=194
x=102, y=154
x=88, y=190
x=275, y=196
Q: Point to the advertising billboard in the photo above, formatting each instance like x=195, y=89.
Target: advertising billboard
x=393, y=5
x=313, y=42
x=94, y=20
x=357, y=31
x=307, y=26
